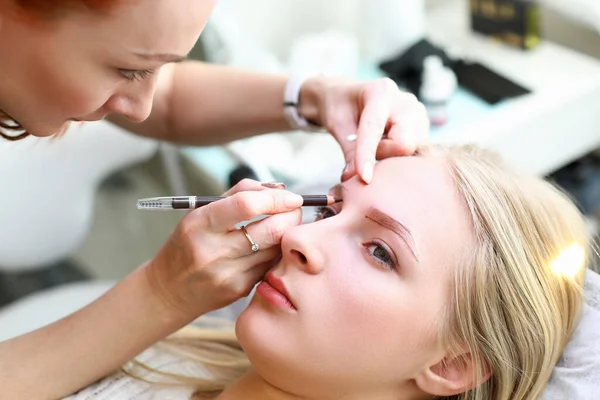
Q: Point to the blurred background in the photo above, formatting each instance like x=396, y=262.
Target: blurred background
x=520, y=77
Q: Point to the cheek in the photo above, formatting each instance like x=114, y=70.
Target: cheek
x=371, y=305
x=381, y=317
x=68, y=91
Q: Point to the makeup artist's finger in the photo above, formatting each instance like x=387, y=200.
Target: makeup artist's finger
x=371, y=127
x=244, y=185
x=257, y=273
x=344, y=129
x=350, y=168
x=249, y=259
x=389, y=148
x=224, y=214
x=266, y=233
x=403, y=144
x=404, y=137
x=342, y=123
x=237, y=277
x=274, y=185
x=250, y=184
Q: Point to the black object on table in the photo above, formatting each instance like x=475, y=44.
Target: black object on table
x=485, y=83
x=407, y=69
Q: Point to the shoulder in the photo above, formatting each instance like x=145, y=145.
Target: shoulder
x=147, y=385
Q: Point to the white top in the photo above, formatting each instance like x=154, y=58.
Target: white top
x=121, y=386
x=66, y=174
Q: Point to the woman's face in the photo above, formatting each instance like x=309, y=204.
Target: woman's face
x=369, y=282
x=84, y=66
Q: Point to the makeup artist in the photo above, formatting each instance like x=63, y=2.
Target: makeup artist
x=84, y=60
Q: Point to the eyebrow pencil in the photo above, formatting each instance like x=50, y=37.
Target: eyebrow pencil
x=193, y=202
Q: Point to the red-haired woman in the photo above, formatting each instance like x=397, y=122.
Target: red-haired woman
x=84, y=60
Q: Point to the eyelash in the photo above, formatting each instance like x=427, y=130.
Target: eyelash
x=136, y=74
x=391, y=263
x=320, y=213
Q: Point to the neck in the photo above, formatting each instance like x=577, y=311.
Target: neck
x=251, y=386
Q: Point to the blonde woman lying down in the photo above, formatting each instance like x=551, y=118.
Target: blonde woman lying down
x=450, y=276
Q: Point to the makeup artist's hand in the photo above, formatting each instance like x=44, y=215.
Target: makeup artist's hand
x=207, y=263
x=365, y=111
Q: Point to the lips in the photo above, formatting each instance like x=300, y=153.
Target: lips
x=278, y=285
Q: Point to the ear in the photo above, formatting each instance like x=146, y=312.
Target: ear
x=453, y=375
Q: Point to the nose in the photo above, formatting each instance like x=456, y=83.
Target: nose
x=134, y=103
x=302, y=246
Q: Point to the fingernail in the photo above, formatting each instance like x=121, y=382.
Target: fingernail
x=346, y=168
x=367, y=174
x=273, y=185
x=293, y=200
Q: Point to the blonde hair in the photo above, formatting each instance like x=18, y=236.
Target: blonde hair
x=516, y=300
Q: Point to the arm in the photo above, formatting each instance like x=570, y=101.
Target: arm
x=203, y=104
x=204, y=265
x=60, y=358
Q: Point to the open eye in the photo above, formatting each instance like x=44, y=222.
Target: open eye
x=324, y=212
x=136, y=74
x=381, y=254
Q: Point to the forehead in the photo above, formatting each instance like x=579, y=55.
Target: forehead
x=155, y=26
x=420, y=193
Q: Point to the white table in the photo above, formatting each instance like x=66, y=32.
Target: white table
x=541, y=132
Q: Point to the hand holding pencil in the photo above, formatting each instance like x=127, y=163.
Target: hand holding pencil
x=208, y=262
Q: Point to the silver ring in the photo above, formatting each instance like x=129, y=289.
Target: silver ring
x=253, y=245
x=351, y=138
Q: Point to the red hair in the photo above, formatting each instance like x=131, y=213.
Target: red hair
x=37, y=11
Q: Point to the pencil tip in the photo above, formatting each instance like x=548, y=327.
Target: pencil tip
x=337, y=199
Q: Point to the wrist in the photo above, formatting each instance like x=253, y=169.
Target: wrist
x=160, y=299
x=301, y=103
x=308, y=104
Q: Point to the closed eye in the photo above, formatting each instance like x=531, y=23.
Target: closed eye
x=136, y=74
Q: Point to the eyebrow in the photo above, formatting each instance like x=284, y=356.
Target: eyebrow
x=381, y=218
x=398, y=228
x=163, y=57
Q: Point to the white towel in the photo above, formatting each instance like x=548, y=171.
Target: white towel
x=577, y=375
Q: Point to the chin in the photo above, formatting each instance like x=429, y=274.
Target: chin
x=263, y=344
x=277, y=352
x=273, y=344
x=47, y=129
x=262, y=334
x=247, y=326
